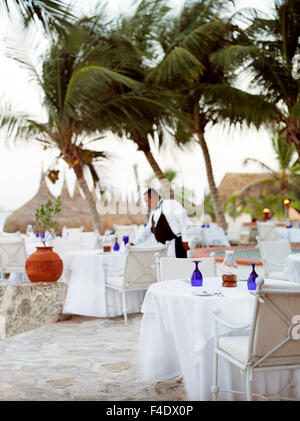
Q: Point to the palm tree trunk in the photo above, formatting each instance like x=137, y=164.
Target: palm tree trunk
x=164, y=182
x=215, y=198
x=88, y=196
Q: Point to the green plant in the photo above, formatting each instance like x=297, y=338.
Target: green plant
x=43, y=219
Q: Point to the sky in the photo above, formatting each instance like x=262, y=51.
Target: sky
x=21, y=164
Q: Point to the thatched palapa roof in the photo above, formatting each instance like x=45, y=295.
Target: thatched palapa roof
x=233, y=183
x=75, y=212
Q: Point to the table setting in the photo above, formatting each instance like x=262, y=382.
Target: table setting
x=85, y=273
x=177, y=332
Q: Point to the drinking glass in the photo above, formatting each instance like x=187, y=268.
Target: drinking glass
x=251, y=280
x=196, y=278
x=116, y=246
x=125, y=239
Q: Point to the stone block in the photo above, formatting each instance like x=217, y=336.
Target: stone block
x=28, y=305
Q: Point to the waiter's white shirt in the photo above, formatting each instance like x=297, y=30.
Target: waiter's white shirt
x=176, y=217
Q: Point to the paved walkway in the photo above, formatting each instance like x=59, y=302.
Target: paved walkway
x=79, y=359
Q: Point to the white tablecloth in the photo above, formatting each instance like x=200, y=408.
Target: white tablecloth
x=177, y=338
x=292, y=234
x=86, y=294
x=292, y=267
x=212, y=236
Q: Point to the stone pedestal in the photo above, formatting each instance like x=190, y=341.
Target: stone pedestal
x=27, y=305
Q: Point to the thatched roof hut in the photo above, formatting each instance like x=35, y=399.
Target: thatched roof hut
x=233, y=183
x=75, y=212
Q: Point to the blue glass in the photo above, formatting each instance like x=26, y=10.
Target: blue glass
x=203, y=226
x=125, y=239
x=251, y=280
x=145, y=225
x=43, y=235
x=116, y=246
x=196, y=278
x=37, y=233
x=207, y=225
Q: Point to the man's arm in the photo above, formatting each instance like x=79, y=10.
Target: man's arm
x=145, y=234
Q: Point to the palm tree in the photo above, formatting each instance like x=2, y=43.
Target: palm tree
x=268, y=51
x=188, y=42
x=138, y=110
x=287, y=178
x=66, y=128
x=52, y=14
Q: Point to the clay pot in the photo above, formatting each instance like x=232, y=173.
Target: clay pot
x=44, y=265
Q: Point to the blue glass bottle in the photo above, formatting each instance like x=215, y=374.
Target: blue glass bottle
x=116, y=246
x=251, y=280
x=196, y=278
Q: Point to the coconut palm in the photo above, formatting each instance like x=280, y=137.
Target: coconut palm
x=65, y=128
x=52, y=14
x=286, y=178
x=187, y=41
x=145, y=109
x=267, y=50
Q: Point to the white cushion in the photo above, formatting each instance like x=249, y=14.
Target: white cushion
x=236, y=346
x=116, y=281
x=276, y=275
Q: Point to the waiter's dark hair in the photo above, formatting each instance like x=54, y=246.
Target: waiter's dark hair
x=151, y=192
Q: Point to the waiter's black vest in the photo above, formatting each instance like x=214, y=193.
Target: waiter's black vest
x=162, y=233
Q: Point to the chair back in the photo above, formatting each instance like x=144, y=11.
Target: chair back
x=275, y=328
x=141, y=265
x=12, y=255
x=72, y=233
x=267, y=230
x=61, y=247
x=273, y=254
x=121, y=230
x=182, y=268
x=234, y=232
x=91, y=240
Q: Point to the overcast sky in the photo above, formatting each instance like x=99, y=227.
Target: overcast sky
x=21, y=165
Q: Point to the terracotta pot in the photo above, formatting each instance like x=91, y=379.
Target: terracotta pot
x=44, y=265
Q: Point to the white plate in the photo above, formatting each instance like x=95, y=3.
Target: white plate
x=201, y=291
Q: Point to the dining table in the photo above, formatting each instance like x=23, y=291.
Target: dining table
x=177, y=337
x=208, y=234
x=292, y=234
x=292, y=267
x=85, y=272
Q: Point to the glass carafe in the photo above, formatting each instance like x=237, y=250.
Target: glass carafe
x=229, y=270
x=106, y=243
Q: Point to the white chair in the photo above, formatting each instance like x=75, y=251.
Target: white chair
x=12, y=256
x=72, y=233
x=140, y=271
x=234, y=232
x=121, y=230
x=8, y=235
x=61, y=246
x=273, y=255
x=267, y=230
x=91, y=240
x=182, y=268
x=272, y=343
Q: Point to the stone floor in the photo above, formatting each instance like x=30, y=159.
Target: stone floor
x=79, y=359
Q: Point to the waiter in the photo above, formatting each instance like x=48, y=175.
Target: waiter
x=168, y=220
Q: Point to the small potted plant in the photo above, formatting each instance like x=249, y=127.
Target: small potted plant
x=44, y=265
